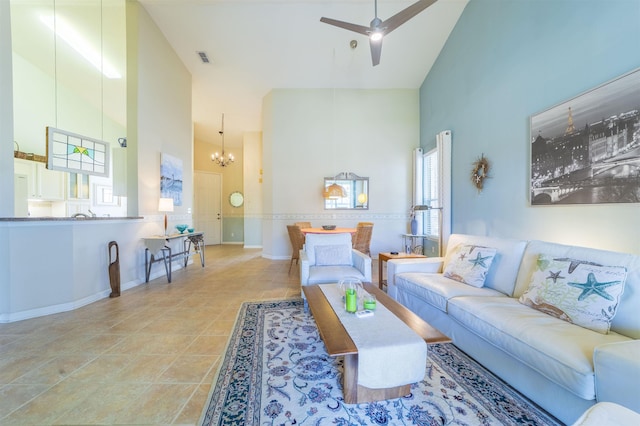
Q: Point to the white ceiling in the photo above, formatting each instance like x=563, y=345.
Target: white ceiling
x=259, y=45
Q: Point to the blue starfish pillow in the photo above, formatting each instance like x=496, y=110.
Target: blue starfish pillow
x=583, y=293
x=470, y=264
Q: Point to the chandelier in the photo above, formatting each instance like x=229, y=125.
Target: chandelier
x=219, y=158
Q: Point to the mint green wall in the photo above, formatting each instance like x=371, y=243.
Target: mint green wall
x=504, y=61
x=233, y=230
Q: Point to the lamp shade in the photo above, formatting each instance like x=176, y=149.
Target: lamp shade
x=165, y=205
x=334, y=191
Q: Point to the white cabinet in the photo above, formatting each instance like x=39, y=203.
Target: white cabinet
x=42, y=184
x=50, y=183
x=78, y=187
x=20, y=195
x=28, y=169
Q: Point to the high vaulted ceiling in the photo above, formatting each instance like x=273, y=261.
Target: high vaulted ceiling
x=259, y=45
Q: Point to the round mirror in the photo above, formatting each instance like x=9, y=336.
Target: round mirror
x=236, y=199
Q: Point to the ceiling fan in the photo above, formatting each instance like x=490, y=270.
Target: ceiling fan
x=378, y=28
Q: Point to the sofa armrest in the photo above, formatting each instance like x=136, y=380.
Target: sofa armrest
x=304, y=269
x=431, y=265
x=362, y=263
x=617, y=371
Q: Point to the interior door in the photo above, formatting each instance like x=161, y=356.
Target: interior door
x=207, y=214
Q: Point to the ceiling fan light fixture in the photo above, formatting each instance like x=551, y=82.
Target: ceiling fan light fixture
x=379, y=28
x=376, y=36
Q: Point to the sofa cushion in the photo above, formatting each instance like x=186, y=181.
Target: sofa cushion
x=328, y=274
x=436, y=290
x=333, y=254
x=627, y=320
x=318, y=240
x=558, y=350
x=583, y=293
x=470, y=264
x=505, y=265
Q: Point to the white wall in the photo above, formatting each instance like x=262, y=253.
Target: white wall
x=6, y=145
x=252, y=183
x=163, y=116
x=312, y=134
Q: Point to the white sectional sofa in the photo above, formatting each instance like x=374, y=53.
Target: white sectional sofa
x=565, y=368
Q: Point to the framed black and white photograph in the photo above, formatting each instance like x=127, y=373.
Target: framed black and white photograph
x=587, y=150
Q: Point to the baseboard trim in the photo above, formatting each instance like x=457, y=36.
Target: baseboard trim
x=63, y=307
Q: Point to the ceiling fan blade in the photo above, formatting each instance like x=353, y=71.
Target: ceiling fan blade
x=347, y=26
x=376, y=50
x=404, y=15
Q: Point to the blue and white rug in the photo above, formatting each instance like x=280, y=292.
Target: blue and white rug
x=276, y=372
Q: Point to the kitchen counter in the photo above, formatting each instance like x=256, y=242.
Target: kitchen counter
x=71, y=258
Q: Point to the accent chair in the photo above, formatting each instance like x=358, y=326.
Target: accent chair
x=327, y=258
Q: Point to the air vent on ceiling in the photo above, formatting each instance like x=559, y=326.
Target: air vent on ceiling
x=203, y=57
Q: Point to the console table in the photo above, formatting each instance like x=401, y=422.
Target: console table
x=192, y=244
x=413, y=243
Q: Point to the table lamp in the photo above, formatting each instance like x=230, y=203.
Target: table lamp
x=165, y=205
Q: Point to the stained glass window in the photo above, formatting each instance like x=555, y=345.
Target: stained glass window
x=75, y=153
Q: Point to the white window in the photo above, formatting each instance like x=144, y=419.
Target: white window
x=431, y=194
x=432, y=188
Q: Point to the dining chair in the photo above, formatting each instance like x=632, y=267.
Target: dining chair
x=353, y=236
x=364, y=224
x=303, y=225
x=297, y=242
x=362, y=238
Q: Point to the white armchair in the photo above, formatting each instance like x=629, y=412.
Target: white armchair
x=326, y=258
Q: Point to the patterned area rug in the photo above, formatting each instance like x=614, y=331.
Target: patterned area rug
x=276, y=372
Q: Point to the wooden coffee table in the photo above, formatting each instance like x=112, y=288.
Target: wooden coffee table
x=339, y=343
x=383, y=257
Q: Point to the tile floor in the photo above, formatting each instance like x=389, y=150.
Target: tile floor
x=146, y=358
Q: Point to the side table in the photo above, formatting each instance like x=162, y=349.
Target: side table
x=383, y=257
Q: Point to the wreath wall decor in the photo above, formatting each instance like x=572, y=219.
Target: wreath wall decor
x=480, y=172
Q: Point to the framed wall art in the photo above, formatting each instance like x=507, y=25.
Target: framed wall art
x=587, y=150
x=171, y=178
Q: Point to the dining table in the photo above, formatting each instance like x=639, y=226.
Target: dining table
x=328, y=231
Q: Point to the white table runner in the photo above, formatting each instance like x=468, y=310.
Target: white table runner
x=155, y=245
x=390, y=354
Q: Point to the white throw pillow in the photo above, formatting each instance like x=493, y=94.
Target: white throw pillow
x=583, y=293
x=470, y=264
x=329, y=255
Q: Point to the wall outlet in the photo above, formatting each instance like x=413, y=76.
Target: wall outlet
x=233, y=235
